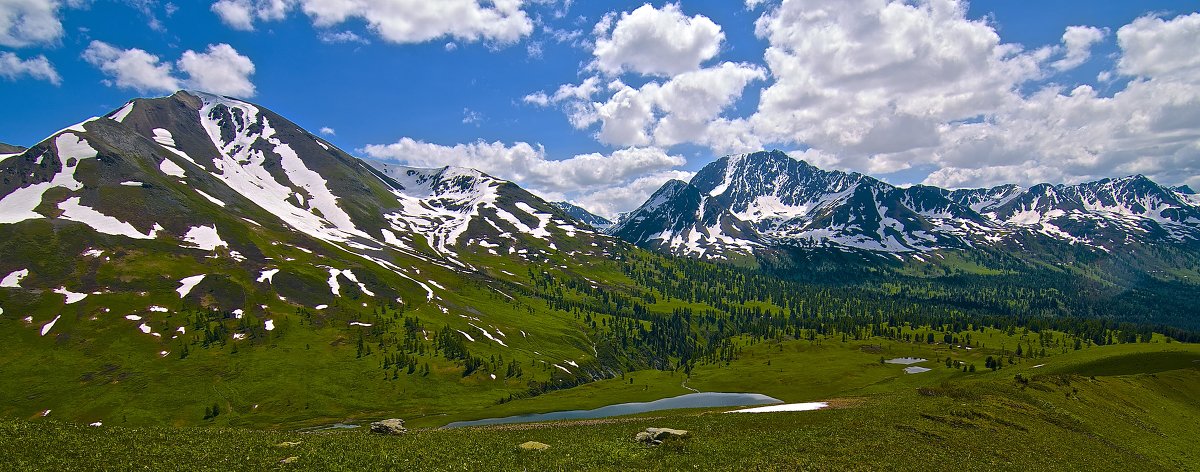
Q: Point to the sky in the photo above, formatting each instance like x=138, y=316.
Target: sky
x=600, y=103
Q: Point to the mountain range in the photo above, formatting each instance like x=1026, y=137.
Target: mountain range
x=764, y=202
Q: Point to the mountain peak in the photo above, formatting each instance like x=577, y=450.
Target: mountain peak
x=575, y=211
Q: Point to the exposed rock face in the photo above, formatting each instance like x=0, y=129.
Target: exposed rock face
x=656, y=436
x=389, y=426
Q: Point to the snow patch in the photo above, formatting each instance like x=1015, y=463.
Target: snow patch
x=170, y=168
x=268, y=276
x=13, y=279
x=204, y=237
x=187, y=284
x=810, y=406
x=210, y=198
x=46, y=329
x=74, y=211
x=72, y=297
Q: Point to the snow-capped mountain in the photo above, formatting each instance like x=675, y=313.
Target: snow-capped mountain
x=201, y=175
x=748, y=203
x=595, y=221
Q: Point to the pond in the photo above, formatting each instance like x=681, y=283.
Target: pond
x=692, y=400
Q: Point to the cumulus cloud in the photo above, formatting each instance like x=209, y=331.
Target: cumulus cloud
x=13, y=67
x=655, y=41
x=881, y=86
x=1152, y=46
x=327, y=131
x=396, y=21
x=528, y=165
x=241, y=14
x=1060, y=135
x=29, y=22
x=878, y=76
x=132, y=68
x=668, y=113
x=1078, y=41
x=219, y=69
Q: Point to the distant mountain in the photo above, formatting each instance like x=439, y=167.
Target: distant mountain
x=10, y=149
x=766, y=201
x=595, y=221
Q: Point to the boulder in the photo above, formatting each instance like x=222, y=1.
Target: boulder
x=656, y=436
x=533, y=446
x=389, y=426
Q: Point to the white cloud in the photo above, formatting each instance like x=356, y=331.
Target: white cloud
x=1059, y=135
x=1078, y=41
x=132, y=68
x=335, y=37
x=664, y=114
x=241, y=14
x=877, y=76
x=472, y=117
x=396, y=21
x=30, y=22
x=655, y=41
x=528, y=165
x=1155, y=47
x=583, y=91
x=327, y=131
x=219, y=69
x=12, y=67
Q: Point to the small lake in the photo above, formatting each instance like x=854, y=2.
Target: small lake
x=691, y=400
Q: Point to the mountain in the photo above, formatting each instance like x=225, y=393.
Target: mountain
x=765, y=202
x=159, y=237
x=595, y=221
x=10, y=149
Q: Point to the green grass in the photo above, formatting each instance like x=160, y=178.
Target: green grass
x=989, y=421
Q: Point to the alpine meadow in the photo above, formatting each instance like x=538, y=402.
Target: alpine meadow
x=548, y=235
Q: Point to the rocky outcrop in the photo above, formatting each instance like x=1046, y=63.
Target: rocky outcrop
x=656, y=436
x=389, y=426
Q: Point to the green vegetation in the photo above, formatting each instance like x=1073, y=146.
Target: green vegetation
x=1018, y=418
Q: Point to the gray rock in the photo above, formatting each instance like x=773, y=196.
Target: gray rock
x=389, y=426
x=656, y=436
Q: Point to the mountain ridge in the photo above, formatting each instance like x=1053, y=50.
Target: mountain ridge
x=769, y=200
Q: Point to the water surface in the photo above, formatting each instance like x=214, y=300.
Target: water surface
x=691, y=400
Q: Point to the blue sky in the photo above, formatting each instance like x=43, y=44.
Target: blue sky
x=876, y=86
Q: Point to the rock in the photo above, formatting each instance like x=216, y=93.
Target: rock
x=656, y=436
x=289, y=460
x=533, y=446
x=390, y=426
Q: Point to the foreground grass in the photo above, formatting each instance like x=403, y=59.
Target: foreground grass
x=1072, y=417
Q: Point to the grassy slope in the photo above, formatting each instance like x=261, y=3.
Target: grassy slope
x=1060, y=420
